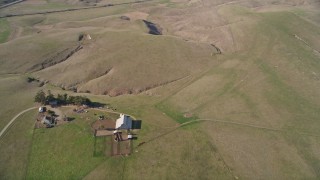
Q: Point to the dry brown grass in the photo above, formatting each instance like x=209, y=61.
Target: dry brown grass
x=125, y=62
x=264, y=84
x=267, y=154
x=266, y=77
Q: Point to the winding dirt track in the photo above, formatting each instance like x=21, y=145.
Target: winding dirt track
x=74, y=9
x=174, y=128
x=12, y=3
x=14, y=118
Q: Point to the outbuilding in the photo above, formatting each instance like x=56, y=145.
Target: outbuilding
x=124, y=122
x=42, y=109
x=48, y=121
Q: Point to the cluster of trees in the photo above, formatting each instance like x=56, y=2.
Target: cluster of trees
x=62, y=99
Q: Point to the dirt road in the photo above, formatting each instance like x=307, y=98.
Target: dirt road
x=75, y=9
x=174, y=128
x=12, y=3
x=14, y=118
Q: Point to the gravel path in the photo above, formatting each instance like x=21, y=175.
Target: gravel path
x=14, y=118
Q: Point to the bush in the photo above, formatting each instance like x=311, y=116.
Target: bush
x=41, y=84
x=81, y=36
x=52, y=113
x=30, y=79
x=62, y=99
x=40, y=97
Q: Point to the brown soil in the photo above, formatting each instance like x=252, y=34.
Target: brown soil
x=137, y=16
x=122, y=147
x=103, y=124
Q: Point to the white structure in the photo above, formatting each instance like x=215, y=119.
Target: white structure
x=41, y=109
x=124, y=122
x=88, y=37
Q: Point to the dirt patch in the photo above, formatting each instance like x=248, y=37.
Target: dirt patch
x=230, y=63
x=103, y=124
x=58, y=116
x=123, y=147
x=187, y=115
x=103, y=133
x=103, y=127
x=125, y=18
x=136, y=15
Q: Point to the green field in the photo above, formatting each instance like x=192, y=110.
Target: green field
x=16, y=147
x=4, y=30
x=251, y=112
x=17, y=95
x=50, y=157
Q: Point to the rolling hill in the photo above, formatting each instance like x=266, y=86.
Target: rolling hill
x=241, y=78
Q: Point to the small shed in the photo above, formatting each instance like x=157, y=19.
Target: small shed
x=42, y=109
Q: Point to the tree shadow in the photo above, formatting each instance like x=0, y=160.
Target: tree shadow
x=97, y=104
x=69, y=119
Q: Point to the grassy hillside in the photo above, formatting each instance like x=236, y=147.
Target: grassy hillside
x=271, y=84
x=124, y=62
x=24, y=54
x=250, y=112
x=17, y=95
x=4, y=30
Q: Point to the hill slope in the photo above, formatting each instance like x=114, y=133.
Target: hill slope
x=243, y=76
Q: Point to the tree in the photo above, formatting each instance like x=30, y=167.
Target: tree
x=50, y=96
x=40, y=97
x=30, y=79
x=60, y=99
x=70, y=100
x=65, y=98
x=78, y=100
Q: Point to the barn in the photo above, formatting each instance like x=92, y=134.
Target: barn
x=124, y=122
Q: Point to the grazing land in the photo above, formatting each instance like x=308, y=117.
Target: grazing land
x=225, y=89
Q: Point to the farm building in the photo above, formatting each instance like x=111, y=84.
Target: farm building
x=42, y=109
x=48, y=121
x=124, y=122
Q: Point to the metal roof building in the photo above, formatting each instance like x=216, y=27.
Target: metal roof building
x=124, y=122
